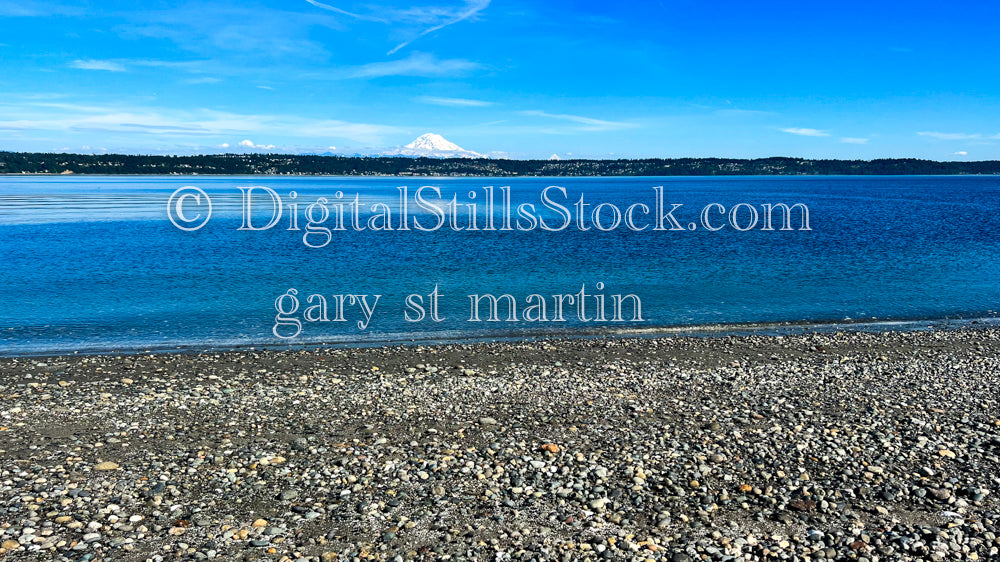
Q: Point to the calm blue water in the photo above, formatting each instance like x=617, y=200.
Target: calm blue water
x=93, y=263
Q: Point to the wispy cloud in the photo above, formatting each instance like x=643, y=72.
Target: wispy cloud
x=418, y=20
x=742, y=112
x=960, y=153
x=245, y=32
x=337, y=10
x=145, y=124
x=471, y=8
x=30, y=8
x=90, y=64
x=417, y=64
x=110, y=122
x=366, y=133
x=199, y=66
x=854, y=140
x=950, y=136
x=454, y=102
x=38, y=102
x=589, y=123
x=192, y=66
x=805, y=132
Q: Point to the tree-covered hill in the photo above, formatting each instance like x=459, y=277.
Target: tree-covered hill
x=284, y=164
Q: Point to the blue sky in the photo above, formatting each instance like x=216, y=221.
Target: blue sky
x=508, y=78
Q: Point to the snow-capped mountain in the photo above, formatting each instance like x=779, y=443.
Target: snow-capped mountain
x=432, y=141
x=432, y=145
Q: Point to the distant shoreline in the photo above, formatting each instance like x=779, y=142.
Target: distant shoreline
x=32, y=163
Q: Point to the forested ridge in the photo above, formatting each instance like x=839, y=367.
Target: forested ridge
x=284, y=164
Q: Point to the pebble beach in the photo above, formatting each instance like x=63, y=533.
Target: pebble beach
x=819, y=446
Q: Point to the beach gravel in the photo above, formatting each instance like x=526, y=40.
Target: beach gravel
x=816, y=446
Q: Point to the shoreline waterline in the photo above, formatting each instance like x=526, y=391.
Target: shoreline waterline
x=392, y=341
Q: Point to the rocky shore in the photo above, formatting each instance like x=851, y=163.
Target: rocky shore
x=846, y=446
